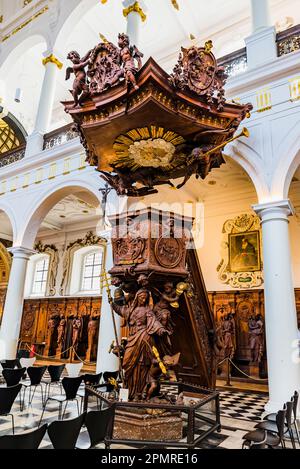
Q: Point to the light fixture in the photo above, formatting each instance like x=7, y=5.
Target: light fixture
x=18, y=95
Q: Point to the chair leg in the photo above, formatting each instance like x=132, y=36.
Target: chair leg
x=42, y=394
x=297, y=431
x=292, y=438
x=13, y=423
x=60, y=411
x=67, y=402
x=283, y=443
x=44, y=408
x=22, y=403
x=78, y=407
x=31, y=396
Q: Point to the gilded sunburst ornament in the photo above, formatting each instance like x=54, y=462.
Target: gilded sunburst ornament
x=146, y=147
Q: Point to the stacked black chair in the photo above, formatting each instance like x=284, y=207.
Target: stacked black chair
x=98, y=424
x=64, y=434
x=271, y=426
x=261, y=437
x=7, y=398
x=35, y=374
x=295, y=400
x=70, y=386
x=28, y=440
x=55, y=372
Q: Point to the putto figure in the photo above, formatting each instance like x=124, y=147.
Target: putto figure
x=80, y=87
x=128, y=56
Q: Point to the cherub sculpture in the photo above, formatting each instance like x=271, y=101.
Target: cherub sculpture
x=128, y=56
x=80, y=87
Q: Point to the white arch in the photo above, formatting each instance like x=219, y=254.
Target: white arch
x=12, y=54
x=249, y=160
x=6, y=208
x=70, y=16
x=288, y=162
x=36, y=214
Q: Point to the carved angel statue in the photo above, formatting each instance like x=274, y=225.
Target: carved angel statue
x=80, y=87
x=128, y=57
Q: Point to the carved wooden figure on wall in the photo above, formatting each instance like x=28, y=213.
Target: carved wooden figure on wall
x=256, y=338
x=229, y=335
x=51, y=338
x=93, y=328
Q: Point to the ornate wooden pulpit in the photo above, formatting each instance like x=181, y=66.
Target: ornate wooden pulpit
x=142, y=128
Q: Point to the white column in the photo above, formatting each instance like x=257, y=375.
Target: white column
x=134, y=19
x=107, y=361
x=13, y=308
x=261, y=45
x=260, y=15
x=36, y=139
x=280, y=307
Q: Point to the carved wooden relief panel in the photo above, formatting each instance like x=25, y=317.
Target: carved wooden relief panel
x=235, y=311
x=49, y=324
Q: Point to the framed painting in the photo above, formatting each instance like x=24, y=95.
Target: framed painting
x=244, y=251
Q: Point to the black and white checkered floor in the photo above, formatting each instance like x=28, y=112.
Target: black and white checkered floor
x=239, y=412
x=243, y=406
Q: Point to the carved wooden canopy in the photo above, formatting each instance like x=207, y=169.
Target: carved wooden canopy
x=142, y=127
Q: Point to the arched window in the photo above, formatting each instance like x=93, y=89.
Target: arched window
x=37, y=276
x=39, y=284
x=92, y=268
x=87, y=265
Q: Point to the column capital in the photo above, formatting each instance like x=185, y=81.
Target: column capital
x=19, y=252
x=277, y=210
x=50, y=58
x=134, y=7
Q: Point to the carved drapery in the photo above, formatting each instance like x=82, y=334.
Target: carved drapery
x=52, y=251
x=89, y=240
x=241, y=264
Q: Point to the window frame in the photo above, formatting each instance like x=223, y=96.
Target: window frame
x=93, y=252
x=42, y=258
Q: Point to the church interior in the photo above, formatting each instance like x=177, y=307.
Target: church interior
x=149, y=224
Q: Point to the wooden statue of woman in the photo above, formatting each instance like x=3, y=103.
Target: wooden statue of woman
x=143, y=328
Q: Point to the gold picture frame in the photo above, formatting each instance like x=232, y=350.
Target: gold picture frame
x=244, y=252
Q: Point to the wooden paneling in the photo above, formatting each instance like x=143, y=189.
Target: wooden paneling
x=37, y=314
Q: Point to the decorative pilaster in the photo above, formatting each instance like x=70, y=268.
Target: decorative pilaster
x=13, y=308
x=280, y=307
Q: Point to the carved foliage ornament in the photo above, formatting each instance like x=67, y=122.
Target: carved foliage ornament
x=52, y=252
x=241, y=265
x=197, y=70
